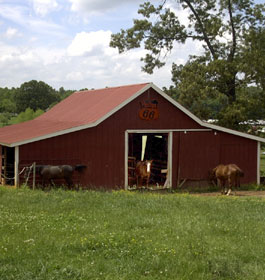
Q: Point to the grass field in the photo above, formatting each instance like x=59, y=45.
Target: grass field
x=124, y=235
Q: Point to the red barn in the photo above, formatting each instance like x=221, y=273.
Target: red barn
x=109, y=129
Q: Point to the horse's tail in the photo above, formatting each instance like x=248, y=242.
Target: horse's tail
x=79, y=167
x=240, y=172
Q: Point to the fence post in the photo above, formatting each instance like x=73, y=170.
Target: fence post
x=34, y=175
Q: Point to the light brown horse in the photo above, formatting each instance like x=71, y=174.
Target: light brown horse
x=143, y=171
x=227, y=174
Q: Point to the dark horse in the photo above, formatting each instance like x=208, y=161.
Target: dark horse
x=143, y=171
x=49, y=172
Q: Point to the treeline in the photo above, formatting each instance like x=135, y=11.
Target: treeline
x=244, y=114
x=28, y=101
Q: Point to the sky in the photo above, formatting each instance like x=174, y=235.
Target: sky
x=65, y=43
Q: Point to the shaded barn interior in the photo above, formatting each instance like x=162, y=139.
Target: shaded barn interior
x=7, y=165
x=148, y=146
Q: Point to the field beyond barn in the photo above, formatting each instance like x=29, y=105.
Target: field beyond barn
x=123, y=235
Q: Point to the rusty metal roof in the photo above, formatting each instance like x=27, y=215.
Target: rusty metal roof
x=80, y=110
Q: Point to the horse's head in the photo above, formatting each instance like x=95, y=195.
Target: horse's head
x=211, y=174
x=148, y=164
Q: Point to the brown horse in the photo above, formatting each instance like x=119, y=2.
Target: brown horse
x=143, y=171
x=227, y=174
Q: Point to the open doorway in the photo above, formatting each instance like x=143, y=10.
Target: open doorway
x=149, y=146
x=8, y=165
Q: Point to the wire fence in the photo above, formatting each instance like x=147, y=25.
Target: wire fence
x=9, y=174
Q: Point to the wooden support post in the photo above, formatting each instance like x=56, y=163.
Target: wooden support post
x=16, y=167
x=34, y=175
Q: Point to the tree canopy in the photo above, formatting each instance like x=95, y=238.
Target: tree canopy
x=35, y=95
x=232, y=35
x=28, y=101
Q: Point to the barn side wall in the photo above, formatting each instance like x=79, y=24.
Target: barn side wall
x=197, y=153
x=241, y=151
x=102, y=148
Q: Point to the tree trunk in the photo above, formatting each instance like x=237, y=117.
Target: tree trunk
x=231, y=90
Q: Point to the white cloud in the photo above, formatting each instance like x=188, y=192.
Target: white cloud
x=92, y=43
x=97, y=6
x=11, y=32
x=43, y=7
x=20, y=16
x=88, y=62
x=75, y=76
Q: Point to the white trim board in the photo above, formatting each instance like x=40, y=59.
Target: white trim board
x=165, y=130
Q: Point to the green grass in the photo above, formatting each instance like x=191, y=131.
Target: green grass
x=123, y=235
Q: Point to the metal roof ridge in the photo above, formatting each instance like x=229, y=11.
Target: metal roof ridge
x=113, y=87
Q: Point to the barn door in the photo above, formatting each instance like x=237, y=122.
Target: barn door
x=198, y=153
x=149, y=146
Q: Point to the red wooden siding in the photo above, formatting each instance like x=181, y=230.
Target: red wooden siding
x=242, y=152
x=198, y=153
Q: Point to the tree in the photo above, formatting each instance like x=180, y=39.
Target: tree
x=64, y=93
x=27, y=115
x=253, y=54
x=227, y=29
x=35, y=95
x=7, y=100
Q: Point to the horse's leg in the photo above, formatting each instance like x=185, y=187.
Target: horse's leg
x=224, y=181
x=69, y=183
x=147, y=180
x=51, y=183
x=229, y=186
x=220, y=185
x=43, y=183
x=141, y=182
x=226, y=186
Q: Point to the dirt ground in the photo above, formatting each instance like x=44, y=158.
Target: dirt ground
x=237, y=193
